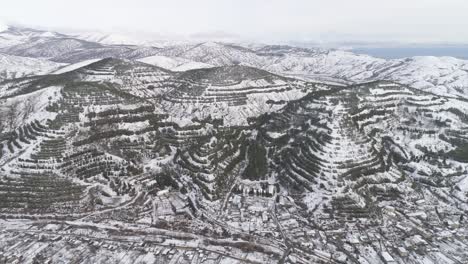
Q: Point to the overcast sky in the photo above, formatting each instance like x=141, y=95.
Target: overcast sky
x=289, y=20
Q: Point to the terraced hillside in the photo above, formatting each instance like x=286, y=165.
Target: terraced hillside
x=349, y=157
x=232, y=93
x=374, y=155
x=367, y=138
x=236, y=153
x=237, y=157
x=363, y=144
x=110, y=118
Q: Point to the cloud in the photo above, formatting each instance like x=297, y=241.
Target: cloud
x=215, y=35
x=370, y=20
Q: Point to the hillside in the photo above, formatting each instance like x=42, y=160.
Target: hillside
x=226, y=153
x=12, y=67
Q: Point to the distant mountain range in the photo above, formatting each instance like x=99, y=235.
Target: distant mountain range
x=441, y=75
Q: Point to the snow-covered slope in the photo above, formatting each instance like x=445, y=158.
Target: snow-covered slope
x=12, y=35
x=64, y=48
x=215, y=53
x=74, y=66
x=174, y=63
x=440, y=75
x=3, y=27
x=15, y=66
x=49, y=47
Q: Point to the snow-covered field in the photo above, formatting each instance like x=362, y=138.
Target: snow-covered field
x=16, y=67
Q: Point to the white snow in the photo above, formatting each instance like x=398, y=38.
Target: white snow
x=30, y=107
x=15, y=66
x=75, y=66
x=174, y=63
x=3, y=26
x=125, y=38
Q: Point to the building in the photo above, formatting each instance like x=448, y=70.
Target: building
x=402, y=251
x=387, y=258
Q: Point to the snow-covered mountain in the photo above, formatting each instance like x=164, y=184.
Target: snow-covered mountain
x=227, y=153
x=13, y=35
x=441, y=75
x=64, y=48
x=49, y=47
x=215, y=53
